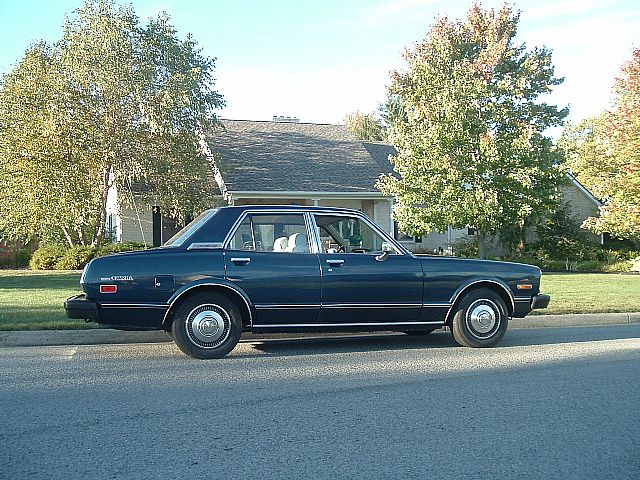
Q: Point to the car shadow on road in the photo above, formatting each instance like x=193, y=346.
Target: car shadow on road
x=517, y=337
x=347, y=343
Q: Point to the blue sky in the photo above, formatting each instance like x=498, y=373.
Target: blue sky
x=319, y=60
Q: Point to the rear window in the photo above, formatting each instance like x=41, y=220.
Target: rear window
x=180, y=237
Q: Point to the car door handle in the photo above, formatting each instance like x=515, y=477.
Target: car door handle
x=241, y=260
x=335, y=263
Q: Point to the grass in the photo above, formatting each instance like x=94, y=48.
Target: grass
x=591, y=292
x=33, y=300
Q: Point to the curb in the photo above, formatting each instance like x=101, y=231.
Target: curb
x=101, y=336
x=575, y=320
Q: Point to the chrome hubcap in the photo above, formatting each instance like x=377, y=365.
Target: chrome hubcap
x=208, y=326
x=483, y=318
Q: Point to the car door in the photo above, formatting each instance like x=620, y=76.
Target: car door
x=365, y=278
x=269, y=256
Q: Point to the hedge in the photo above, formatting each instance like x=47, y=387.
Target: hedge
x=56, y=257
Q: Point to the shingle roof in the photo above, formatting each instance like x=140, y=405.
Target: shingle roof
x=273, y=156
x=380, y=153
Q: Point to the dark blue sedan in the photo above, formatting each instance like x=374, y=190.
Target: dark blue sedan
x=270, y=269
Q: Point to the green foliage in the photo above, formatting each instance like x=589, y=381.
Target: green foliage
x=469, y=129
x=618, y=267
x=56, y=257
x=113, y=103
x=15, y=258
x=620, y=215
x=559, y=233
x=111, y=248
x=365, y=126
x=590, y=266
x=467, y=248
x=46, y=257
x=75, y=258
x=589, y=154
x=23, y=257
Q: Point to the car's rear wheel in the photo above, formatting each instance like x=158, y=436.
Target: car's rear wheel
x=424, y=331
x=207, y=325
x=480, y=320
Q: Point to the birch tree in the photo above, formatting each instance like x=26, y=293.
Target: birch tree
x=113, y=103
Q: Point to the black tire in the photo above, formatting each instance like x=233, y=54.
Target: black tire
x=480, y=320
x=424, y=331
x=207, y=325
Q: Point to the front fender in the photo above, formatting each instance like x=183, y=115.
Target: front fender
x=477, y=281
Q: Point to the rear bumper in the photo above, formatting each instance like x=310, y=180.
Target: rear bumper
x=79, y=307
x=540, y=301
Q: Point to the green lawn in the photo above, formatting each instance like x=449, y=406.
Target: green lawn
x=591, y=292
x=33, y=300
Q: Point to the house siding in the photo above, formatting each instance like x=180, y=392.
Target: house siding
x=136, y=231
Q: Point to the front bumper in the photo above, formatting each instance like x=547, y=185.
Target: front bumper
x=79, y=307
x=540, y=301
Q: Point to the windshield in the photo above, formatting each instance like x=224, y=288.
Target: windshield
x=180, y=237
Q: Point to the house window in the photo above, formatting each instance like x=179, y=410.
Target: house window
x=403, y=237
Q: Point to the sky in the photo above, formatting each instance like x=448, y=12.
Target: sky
x=320, y=60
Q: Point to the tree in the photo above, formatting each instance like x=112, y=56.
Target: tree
x=365, y=126
x=470, y=134
x=589, y=154
x=111, y=104
x=620, y=214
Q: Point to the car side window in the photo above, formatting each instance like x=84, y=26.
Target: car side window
x=271, y=233
x=343, y=234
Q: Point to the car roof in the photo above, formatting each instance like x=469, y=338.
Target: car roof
x=302, y=208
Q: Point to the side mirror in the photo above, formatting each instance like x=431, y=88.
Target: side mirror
x=387, y=249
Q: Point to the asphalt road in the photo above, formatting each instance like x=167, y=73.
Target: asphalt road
x=548, y=403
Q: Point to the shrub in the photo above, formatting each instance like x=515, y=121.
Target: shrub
x=23, y=257
x=465, y=248
x=619, y=267
x=590, y=266
x=111, y=248
x=15, y=259
x=75, y=258
x=46, y=257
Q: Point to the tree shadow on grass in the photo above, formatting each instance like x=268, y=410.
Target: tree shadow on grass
x=64, y=281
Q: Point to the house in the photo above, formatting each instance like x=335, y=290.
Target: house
x=288, y=162
x=283, y=162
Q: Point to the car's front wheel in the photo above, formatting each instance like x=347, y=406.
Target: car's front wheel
x=207, y=325
x=480, y=320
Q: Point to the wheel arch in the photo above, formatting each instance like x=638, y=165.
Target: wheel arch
x=500, y=288
x=233, y=292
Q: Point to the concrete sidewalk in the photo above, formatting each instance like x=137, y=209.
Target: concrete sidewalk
x=107, y=336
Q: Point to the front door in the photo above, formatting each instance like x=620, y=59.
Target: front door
x=269, y=257
x=365, y=279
